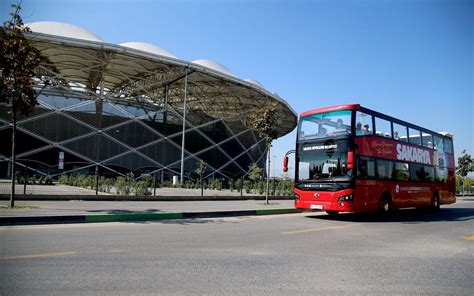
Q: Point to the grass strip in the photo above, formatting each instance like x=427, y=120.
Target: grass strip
x=277, y=211
x=133, y=217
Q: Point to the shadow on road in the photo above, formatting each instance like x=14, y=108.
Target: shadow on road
x=121, y=211
x=410, y=216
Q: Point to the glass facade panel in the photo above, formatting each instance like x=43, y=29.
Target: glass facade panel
x=56, y=128
x=236, y=126
x=231, y=170
x=194, y=142
x=244, y=161
x=133, y=134
x=163, y=152
x=60, y=102
x=134, y=162
x=247, y=139
x=232, y=148
x=24, y=142
x=216, y=131
x=88, y=147
x=47, y=161
x=214, y=157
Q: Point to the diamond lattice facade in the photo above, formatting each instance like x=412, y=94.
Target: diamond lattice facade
x=123, y=108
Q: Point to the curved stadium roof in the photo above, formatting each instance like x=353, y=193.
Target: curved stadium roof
x=146, y=72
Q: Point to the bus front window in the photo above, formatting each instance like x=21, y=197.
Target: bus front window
x=325, y=125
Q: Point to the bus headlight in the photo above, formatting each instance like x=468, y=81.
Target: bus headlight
x=297, y=197
x=346, y=197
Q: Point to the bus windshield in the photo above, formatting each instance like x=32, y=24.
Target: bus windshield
x=324, y=160
x=325, y=125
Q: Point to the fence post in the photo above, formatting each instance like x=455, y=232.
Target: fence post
x=96, y=180
x=154, y=184
x=24, y=180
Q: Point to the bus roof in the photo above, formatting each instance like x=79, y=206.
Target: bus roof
x=330, y=109
x=375, y=113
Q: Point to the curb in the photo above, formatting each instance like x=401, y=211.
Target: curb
x=94, y=197
x=96, y=218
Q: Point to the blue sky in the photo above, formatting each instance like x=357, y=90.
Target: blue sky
x=409, y=59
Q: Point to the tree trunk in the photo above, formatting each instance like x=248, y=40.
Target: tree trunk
x=269, y=145
x=202, y=187
x=13, y=158
x=463, y=185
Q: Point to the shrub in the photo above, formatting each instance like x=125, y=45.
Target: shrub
x=108, y=184
x=141, y=188
x=218, y=184
x=247, y=186
x=238, y=184
x=261, y=187
x=124, y=185
x=64, y=179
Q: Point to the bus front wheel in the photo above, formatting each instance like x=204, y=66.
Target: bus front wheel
x=332, y=213
x=385, y=205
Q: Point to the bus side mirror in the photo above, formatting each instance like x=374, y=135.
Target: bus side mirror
x=285, y=164
x=350, y=160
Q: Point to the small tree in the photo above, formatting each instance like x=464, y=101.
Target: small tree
x=255, y=173
x=264, y=121
x=200, y=170
x=465, y=165
x=18, y=60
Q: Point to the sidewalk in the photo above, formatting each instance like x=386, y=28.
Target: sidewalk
x=46, y=212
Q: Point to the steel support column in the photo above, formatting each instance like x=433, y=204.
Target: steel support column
x=183, y=137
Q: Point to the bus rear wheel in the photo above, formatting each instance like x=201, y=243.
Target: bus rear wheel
x=332, y=213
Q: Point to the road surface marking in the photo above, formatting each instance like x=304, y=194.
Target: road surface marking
x=320, y=229
x=470, y=238
x=452, y=245
x=37, y=256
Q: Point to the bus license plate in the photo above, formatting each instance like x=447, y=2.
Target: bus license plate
x=316, y=207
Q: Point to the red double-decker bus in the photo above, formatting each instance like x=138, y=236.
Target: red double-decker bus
x=353, y=159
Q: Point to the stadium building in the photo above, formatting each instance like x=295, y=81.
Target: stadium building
x=135, y=107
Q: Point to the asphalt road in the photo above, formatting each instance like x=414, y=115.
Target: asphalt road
x=413, y=253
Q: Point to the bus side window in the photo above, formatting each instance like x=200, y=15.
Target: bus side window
x=448, y=145
x=414, y=136
x=383, y=128
x=363, y=124
x=384, y=169
x=400, y=132
x=438, y=143
x=401, y=171
x=427, y=140
x=365, y=168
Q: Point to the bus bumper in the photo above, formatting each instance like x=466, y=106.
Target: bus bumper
x=340, y=201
